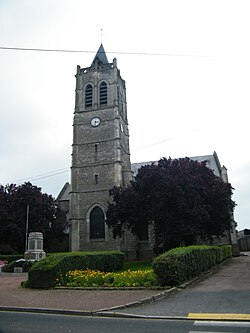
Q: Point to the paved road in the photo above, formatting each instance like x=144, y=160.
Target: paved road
x=11, y=322
x=225, y=291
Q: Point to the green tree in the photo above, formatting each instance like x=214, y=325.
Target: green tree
x=44, y=216
x=181, y=198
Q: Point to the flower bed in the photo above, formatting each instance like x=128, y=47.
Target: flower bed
x=3, y=263
x=95, y=278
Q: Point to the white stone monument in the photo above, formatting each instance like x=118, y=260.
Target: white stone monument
x=35, y=247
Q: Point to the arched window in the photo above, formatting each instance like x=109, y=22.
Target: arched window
x=97, y=224
x=103, y=93
x=143, y=233
x=88, y=95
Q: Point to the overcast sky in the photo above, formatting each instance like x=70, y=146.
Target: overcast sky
x=187, y=71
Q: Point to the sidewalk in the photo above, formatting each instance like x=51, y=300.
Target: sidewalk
x=232, y=277
x=12, y=295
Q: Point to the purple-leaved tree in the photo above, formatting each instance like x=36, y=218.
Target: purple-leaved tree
x=182, y=199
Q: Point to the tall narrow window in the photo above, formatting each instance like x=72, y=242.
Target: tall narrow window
x=96, y=152
x=96, y=179
x=97, y=224
x=143, y=233
x=88, y=95
x=118, y=96
x=103, y=93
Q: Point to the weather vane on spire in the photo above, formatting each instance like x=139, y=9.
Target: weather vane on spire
x=101, y=34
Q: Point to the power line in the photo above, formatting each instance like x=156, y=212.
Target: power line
x=7, y=48
x=44, y=175
x=168, y=139
x=64, y=170
x=52, y=175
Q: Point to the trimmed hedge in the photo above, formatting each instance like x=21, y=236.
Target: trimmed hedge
x=227, y=251
x=10, y=257
x=9, y=268
x=44, y=273
x=182, y=264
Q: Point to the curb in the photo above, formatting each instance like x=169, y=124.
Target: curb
x=46, y=310
x=11, y=274
x=137, y=316
x=226, y=317
x=146, y=300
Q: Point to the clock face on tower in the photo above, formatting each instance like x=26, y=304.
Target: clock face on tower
x=95, y=122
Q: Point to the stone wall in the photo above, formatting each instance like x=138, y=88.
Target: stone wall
x=244, y=243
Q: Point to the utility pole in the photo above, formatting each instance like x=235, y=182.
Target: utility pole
x=27, y=228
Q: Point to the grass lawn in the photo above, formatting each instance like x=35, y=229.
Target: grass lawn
x=136, y=265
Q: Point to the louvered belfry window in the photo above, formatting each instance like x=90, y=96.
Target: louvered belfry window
x=88, y=95
x=103, y=93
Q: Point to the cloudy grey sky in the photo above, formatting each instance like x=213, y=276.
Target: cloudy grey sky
x=186, y=66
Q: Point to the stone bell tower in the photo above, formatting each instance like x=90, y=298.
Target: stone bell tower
x=100, y=151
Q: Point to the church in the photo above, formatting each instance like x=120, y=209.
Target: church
x=101, y=160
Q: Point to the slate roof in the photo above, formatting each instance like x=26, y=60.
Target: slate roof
x=101, y=56
x=64, y=193
x=213, y=163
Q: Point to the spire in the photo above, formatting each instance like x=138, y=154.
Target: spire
x=100, y=56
